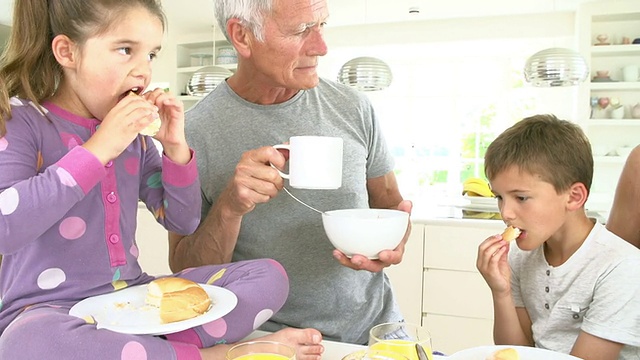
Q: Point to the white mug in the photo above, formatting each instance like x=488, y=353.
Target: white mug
x=315, y=162
x=630, y=73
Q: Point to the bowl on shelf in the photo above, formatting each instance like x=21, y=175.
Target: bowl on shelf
x=365, y=231
x=200, y=59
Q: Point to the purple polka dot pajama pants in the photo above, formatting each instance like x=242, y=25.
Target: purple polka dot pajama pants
x=47, y=331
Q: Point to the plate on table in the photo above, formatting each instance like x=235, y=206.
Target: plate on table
x=526, y=353
x=125, y=311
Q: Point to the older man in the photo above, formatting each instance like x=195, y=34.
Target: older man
x=275, y=94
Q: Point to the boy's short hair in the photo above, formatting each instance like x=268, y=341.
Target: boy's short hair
x=557, y=150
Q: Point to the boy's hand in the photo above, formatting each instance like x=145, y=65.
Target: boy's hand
x=493, y=264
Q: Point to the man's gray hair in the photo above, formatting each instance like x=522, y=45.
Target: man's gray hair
x=251, y=14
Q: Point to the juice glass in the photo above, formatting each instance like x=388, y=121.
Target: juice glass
x=371, y=354
x=401, y=338
x=261, y=350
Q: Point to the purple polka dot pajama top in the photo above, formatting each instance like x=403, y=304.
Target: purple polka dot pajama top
x=67, y=232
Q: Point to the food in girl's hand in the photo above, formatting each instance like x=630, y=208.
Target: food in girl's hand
x=510, y=233
x=152, y=128
x=505, y=354
x=178, y=299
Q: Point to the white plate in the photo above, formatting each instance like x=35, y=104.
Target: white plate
x=124, y=311
x=479, y=207
x=480, y=200
x=526, y=353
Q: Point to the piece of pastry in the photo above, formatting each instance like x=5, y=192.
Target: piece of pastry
x=152, y=128
x=510, y=233
x=178, y=299
x=505, y=354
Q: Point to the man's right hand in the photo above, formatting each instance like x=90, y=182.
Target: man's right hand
x=255, y=181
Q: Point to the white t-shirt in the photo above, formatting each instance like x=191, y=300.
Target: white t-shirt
x=597, y=290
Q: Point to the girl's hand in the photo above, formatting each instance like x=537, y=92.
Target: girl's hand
x=171, y=134
x=493, y=264
x=120, y=127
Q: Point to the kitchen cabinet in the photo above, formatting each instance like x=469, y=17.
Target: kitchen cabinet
x=604, y=32
x=438, y=284
x=152, y=242
x=194, y=52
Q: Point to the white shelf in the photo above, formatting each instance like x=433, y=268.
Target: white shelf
x=615, y=50
x=189, y=98
x=615, y=86
x=617, y=20
x=609, y=159
x=613, y=122
x=186, y=48
x=192, y=69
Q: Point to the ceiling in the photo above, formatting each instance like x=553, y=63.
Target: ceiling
x=197, y=15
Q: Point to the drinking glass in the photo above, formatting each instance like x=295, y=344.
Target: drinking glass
x=370, y=354
x=261, y=350
x=402, y=338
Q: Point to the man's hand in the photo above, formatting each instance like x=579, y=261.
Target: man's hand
x=386, y=258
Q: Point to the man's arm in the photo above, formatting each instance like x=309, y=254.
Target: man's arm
x=254, y=182
x=383, y=192
x=625, y=212
x=212, y=243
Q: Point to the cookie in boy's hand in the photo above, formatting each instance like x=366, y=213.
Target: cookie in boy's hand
x=510, y=233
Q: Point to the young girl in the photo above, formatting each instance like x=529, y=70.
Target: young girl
x=73, y=169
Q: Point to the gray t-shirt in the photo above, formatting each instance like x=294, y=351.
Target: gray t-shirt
x=340, y=302
x=597, y=290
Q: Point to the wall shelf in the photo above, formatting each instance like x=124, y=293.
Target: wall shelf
x=615, y=50
x=617, y=20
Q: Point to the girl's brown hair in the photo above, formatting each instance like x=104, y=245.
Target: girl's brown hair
x=28, y=68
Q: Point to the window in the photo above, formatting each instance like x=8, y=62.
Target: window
x=448, y=101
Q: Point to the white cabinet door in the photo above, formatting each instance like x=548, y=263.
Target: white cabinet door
x=153, y=244
x=455, y=246
x=406, y=277
x=456, y=293
x=450, y=334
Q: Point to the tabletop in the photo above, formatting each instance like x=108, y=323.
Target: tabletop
x=333, y=350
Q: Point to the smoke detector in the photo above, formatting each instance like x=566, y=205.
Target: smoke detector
x=414, y=10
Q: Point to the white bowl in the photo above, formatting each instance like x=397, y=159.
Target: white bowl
x=365, y=231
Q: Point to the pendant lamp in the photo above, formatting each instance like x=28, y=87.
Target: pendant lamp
x=365, y=74
x=556, y=67
x=205, y=79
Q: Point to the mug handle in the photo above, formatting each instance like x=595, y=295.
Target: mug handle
x=285, y=147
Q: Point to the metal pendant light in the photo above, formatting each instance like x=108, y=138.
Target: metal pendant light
x=556, y=67
x=205, y=79
x=365, y=74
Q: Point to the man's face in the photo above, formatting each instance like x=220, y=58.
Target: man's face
x=293, y=41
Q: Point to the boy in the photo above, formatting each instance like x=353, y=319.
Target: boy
x=569, y=285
